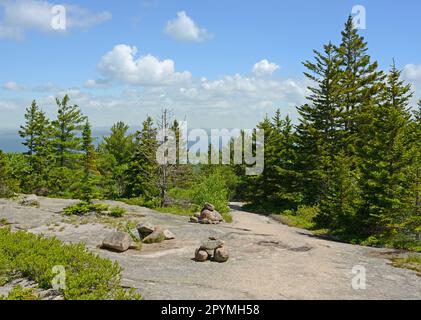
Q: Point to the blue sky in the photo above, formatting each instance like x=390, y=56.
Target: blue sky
x=220, y=63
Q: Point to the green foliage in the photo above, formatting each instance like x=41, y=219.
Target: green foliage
x=211, y=189
x=412, y=262
x=142, y=172
x=88, y=277
x=78, y=209
x=8, y=184
x=304, y=217
x=117, y=212
x=83, y=208
x=20, y=293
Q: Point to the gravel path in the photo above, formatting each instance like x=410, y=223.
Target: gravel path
x=268, y=260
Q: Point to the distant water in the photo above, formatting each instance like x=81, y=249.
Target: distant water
x=10, y=141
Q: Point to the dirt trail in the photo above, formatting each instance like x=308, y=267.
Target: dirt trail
x=268, y=260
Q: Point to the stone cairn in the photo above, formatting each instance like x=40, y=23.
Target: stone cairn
x=208, y=215
x=213, y=249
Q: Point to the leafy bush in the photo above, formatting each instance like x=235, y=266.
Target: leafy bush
x=88, y=277
x=83, y=208
x=117, y=212
x=211, y=189
x=19, y=293
x=302, y=218
x=78, y=209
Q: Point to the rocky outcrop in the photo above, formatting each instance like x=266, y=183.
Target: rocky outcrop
x=29, y=201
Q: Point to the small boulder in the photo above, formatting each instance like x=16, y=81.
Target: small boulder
x=221, y=254
x=201, y=255
x=30, y=201
x=211, y=244
x=211, y=215
x=213, y=238
x=194, y=219
x=204, y=221
x=119, y=241
x=168, y=234
x=209, y=206
x=144, y=229
x=155, y=237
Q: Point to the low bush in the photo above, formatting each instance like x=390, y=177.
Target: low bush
x=412, y=262
x=211, y=189
x=83, y=208
x=20, y=293
x=302, y=218
x=88, y=276
x=117, y=212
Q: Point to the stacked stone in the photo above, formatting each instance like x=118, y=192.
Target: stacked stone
x=208, y=215
x=213, y=249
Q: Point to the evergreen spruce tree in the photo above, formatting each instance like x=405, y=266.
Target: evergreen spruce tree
x=69, y=122
x=384, y=158
x=319, y=132
x=37, y=138
x=67, y=146
x=143, y=169
x=361, y=82
x=27, y=131
x=90, y=170
x=338, y=208
x=115, y=154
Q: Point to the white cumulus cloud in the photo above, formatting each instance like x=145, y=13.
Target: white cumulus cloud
x=121, y=64
x=23, y=15
x=412, y=72
x=12, y=86
x=264, y=68
x=183, y=28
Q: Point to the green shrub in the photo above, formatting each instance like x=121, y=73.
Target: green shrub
x=88, y=276
x=412, y=262
x=302, y=218
x=227, y=217
x=117, y=212
x=83, y=208
x=19, y=293
x=78, y=209
x=211, y=189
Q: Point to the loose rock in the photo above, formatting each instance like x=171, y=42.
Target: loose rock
x=212, y=244
x=119, y=241
x=145, y=229
x=211, y=215
x=168, y=234
x=209, y=206
x=221, y=254
x=194, y=219
x=201, y=255
x=155, y=237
